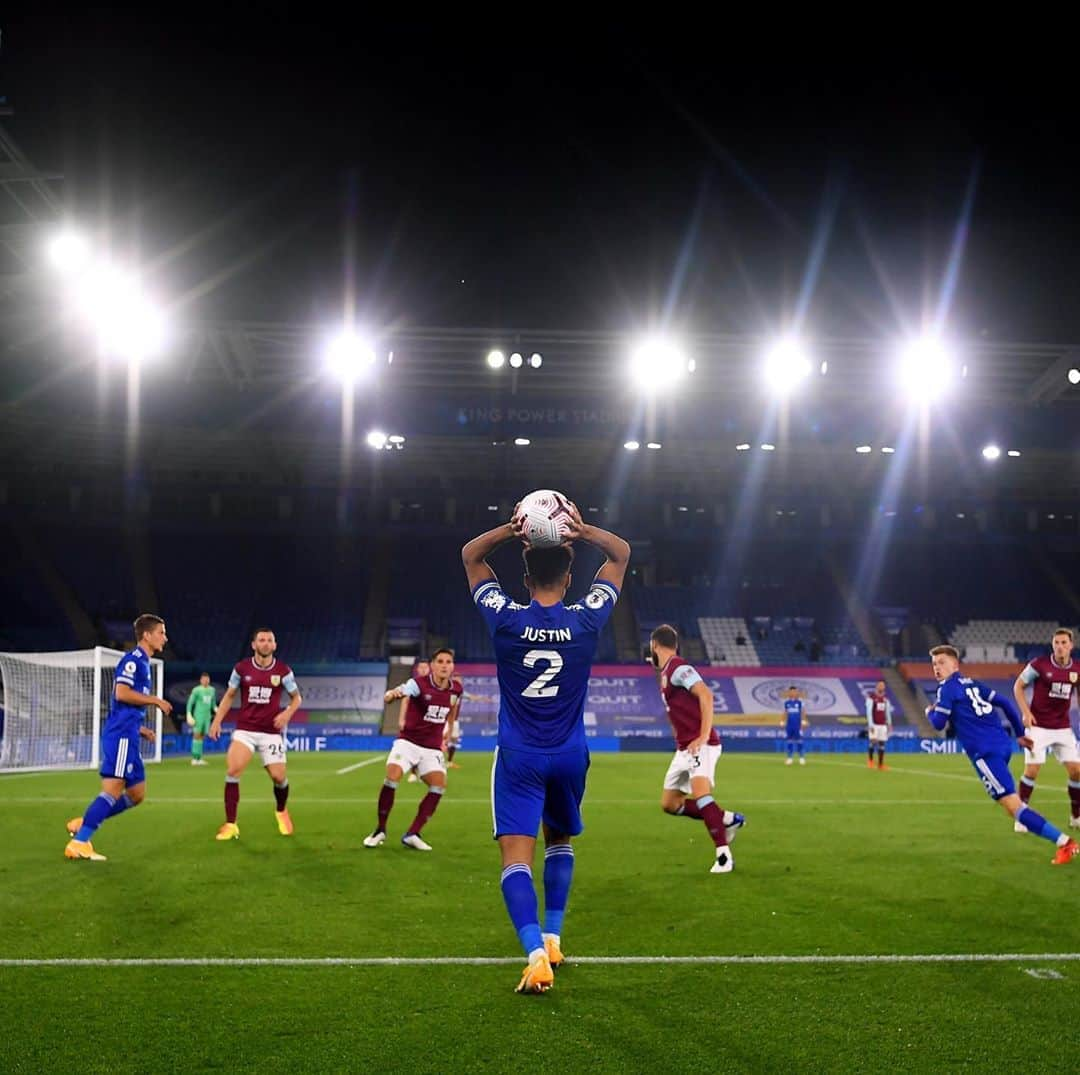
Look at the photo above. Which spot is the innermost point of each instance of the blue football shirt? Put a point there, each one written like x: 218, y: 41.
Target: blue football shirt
x: 970, y: 706
x: 133, y: 670
x: 793, y: 708
x: 544, y: 657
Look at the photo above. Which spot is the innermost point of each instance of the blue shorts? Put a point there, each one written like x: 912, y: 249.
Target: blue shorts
x: 794, y: 733
x: 993, y: 770
x: 120, y: 759
x: 528, y: 788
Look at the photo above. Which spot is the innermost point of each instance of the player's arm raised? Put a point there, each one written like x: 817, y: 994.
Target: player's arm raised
x: 616, y: 550
x: 704, y: 697
x: 475, y: 553
x: 219, y: 715
x: 127, y: 696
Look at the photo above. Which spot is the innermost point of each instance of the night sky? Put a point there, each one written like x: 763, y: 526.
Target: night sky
x: 551, y: 176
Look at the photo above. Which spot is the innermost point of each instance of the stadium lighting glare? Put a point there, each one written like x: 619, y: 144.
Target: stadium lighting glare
x: 522, y: 442
x: 926, y: 368
x: 691, y: 365
x: 742, y: 447
x: 631, y: 445
x: 682, y: 507
x: 768, y: 447
x: 376, y: 439
x: 1013, y: 453
x: 516, y: 361
x: 126, y: 321
x: 864, y: 449
x: 68, y: 252
x: 654, y: 445
x: 396, y: 438
x: 887, y: 450
x: 824, y: 367
x: 536, y: 360
x: 786, y: 365
x: 991, y: 452
x: 657, y: 364
x: 349, y: 356
x: 1074, y: 376
x: 496, y: 359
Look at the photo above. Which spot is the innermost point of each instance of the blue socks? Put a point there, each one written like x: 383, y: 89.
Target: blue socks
x: 103, y: 807
x: 558, y: 873
x: 1037, y: 824
x: 520, y: 897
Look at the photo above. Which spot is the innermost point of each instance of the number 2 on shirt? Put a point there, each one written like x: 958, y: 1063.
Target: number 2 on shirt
x: 539, y: 687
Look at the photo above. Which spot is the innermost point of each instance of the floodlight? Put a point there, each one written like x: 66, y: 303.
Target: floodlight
x: 349, y: 356
x: 376, y: 439
x: 536, y: 360
x: 1074, y: 376
x: 522, y: 442
x: 1013, y: 453
x: 68, y: 252
x: 126, y: 321
x: 396, y: 438
x: 991, y: 452
x: 496, y: 359
x: 657, y: 364
x: 887, y: 450
x: 864, y: 449
x: 631, y: 445
x: 926, y: 367
x: 786, y: 365
x: 654, y: 445
x: 742, y: 447
x: 516, y: 360
x: 768, y: 447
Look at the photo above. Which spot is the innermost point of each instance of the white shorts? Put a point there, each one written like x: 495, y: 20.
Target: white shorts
x: 879, y: 733
x: 407, y: 755
x: 270, y: 746
x: 1061, y: 742
x: 685, y: 765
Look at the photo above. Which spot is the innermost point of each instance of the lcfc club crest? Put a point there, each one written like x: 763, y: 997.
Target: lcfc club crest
x: 275, y: 681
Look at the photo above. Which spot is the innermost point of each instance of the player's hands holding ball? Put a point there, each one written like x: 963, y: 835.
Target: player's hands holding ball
x: 546, y: 518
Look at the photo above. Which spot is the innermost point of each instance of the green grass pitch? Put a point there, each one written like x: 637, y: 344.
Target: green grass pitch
x: 836, y: 860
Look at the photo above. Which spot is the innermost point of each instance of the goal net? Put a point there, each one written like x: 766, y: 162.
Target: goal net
x: 56, y: 704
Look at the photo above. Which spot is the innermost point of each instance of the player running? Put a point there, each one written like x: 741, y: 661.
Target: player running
x: 260, y: 727
x: 794, y: 723
x: 879, y: 712
x: 543, y: 654
x: 123, y: 779
x: 969, y: 706
x: 200, y: 712
x: 1052, y: 679
x: 427, y: 704
x: 690, y: 777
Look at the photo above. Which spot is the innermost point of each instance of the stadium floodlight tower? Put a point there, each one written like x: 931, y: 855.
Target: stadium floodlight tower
x: 658, y: 364
x: 128, y: 324
x: 786, y: 366
x: 68, y: 252
x: 350, y: 356
x: 926, y: 368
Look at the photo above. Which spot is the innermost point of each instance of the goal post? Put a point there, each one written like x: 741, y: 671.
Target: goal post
x: 56, y: 704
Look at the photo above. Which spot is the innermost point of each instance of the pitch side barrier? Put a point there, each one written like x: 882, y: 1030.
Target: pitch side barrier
x: 343, y: 708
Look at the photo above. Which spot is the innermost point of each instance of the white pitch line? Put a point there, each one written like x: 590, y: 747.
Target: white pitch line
x: 359, y: 765
x: 483, y: 961
x: 899, y: 769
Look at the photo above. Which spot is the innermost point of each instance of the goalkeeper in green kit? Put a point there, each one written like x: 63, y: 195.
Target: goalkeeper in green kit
x: 200, y: 712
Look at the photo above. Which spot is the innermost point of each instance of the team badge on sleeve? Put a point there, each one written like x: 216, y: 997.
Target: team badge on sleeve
x: 493, y: 600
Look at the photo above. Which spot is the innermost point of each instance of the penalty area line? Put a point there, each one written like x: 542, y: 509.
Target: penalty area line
x: 484, y: 961
x: 359, y: 765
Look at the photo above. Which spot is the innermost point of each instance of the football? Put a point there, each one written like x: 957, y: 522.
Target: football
x: 545, y: 516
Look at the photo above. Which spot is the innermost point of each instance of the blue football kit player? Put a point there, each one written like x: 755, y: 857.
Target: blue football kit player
x: 543, y: 654
x: 123, y: 780
x: 794, y: 719
x: 968, y: 706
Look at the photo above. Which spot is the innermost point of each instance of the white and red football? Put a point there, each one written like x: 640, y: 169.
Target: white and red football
x: 545, y: 516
